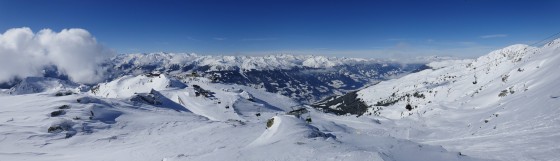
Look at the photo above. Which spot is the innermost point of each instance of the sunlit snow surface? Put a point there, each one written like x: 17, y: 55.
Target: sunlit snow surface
x: 161, y: 118
x: 503, y: 106
x: 109, y: 125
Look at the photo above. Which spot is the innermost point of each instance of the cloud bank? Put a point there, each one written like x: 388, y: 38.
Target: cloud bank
x: 74, y: 52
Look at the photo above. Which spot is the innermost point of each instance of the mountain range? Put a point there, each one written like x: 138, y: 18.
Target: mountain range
x: 165, y: 106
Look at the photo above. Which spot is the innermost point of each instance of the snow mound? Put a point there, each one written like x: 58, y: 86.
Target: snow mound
x: 246, y: 95
x: 288, y: 127
x: 41, y: 84
x: 128, y: 86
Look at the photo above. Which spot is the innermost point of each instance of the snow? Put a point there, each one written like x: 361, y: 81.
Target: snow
x: 113, y: 127
x: 458, y: 114
x: 41, y: 84
x: 287, y: 127
x: 337, y: 84
x: 219, y: 63
x: 319, y: 62
x: 127, y: 86
x: 464, y: 109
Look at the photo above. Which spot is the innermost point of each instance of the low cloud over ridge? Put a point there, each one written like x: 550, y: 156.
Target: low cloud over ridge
x: 74, y: 52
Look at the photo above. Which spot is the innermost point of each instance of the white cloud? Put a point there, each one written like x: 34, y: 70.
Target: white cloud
x: 75, y: 52
x: 493, y: 36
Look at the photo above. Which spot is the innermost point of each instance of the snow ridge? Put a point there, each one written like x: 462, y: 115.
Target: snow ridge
x: 127, y: 86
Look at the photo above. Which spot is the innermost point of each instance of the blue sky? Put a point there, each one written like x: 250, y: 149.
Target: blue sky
x: 374, y: 28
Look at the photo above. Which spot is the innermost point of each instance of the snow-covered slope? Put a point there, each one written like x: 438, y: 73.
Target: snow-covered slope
x: 210, y: 101
x: 502, y: 105
x: 450, y: 81
x: 288, y: 127
x: 154, y: 121
x: 127, y: 86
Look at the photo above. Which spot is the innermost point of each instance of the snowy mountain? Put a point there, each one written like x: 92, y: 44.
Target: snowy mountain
x: 305, y: 78
x: 501, y: 106
x: 44, y: 84
x: 157, y: 117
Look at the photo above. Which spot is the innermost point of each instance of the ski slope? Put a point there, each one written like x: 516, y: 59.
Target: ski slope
x: 502, y: 106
